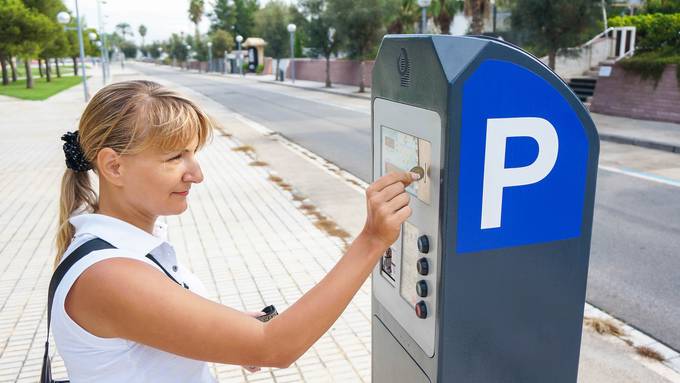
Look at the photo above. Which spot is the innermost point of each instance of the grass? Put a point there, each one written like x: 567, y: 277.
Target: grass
x: 41, y: 88
x: 66, y: 69
x: 649, y: 353
x: 604, y: 326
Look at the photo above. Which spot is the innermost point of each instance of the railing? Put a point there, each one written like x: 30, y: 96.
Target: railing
x: 612, y: 44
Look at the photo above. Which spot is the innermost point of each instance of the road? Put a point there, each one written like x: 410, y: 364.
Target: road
x: 635, y: 257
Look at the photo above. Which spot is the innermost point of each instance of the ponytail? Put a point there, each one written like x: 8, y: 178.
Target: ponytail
x: 77, y: 194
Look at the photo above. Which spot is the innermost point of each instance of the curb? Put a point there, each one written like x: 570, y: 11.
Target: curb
x: 640, y: 142
x: 367, y: 96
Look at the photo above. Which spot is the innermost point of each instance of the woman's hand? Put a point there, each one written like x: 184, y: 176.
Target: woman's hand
x: 387, y: 205
x: 253, y: 314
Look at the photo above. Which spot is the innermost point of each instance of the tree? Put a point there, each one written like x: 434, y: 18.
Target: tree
x: 13, y: 15
x: 56, y: 45
x: 128, y: 48
x: 553, y: 25
x: 222, y: 41
x: 662, y: 6
x: 142, y: 32
x: 24, y: 31
x: 401, y: 16
x: 196, y: 9
x: 443, y: 12
x: 223, y: 16
x: 478, y: 10
x: 176, y: 47
x: 271, y: 22
x: 322, y: 37
x: 359, y: 22
x: 245, y: 11
x: 124, y: 29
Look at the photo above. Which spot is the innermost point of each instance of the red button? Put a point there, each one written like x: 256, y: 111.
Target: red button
x: 421, y: 310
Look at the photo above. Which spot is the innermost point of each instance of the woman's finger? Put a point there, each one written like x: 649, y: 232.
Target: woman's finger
x: 398, y: 202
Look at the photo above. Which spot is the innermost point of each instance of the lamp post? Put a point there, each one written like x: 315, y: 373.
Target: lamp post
x: 160, y: 52
x: 423, y: 4
x: 63, y: 18
x: 291, y: 30
x: 209, y: 56
x: 188, y: 55
x: 239, y: 39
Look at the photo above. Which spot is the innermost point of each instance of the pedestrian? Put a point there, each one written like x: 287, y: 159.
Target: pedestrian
x: 128, y: 311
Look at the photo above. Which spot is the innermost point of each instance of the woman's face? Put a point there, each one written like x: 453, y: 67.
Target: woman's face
x: 158, y: 182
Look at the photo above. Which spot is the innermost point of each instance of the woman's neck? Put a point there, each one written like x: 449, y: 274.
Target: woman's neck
x: 125, y: 213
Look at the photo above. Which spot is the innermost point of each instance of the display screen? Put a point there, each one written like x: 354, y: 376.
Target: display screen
x: 401, y: 152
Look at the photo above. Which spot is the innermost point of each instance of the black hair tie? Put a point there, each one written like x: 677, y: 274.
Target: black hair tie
x: 75, y: 158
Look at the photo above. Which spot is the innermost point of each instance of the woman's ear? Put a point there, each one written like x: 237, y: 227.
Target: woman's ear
x: 109, y: 166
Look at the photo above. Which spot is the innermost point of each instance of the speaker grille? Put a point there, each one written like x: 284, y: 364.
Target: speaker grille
x: 404, y: 68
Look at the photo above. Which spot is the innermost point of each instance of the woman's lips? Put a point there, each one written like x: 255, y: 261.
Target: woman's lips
x: 184, y: 193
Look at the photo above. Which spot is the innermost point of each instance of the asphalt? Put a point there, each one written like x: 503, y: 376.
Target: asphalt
x: 636, y: 235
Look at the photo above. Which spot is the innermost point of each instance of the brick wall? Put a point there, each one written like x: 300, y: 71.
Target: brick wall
x: 345, y: 72
x: 625, y: 94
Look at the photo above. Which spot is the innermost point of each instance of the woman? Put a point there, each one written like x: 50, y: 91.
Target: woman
x: 131, y: 313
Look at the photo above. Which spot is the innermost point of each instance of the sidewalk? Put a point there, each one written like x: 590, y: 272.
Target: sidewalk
x: 256, y: 233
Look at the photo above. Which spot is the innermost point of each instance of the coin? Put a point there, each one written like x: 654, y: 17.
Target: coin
x: 419, y: 171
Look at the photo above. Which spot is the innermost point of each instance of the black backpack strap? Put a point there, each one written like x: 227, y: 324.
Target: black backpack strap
x: 83, y: 250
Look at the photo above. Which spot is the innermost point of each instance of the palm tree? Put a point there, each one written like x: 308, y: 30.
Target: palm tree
x: 142, y: 32
x: 478, y: 9
x: 404, y: 17
x: 443, y: 12
x: 124, y: 29
x: 196, y: 8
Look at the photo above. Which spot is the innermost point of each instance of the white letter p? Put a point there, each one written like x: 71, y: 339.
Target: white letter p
x: 497, y: 176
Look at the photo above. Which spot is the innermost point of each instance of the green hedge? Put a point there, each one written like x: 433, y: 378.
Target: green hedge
x: 651, y: 65
x: 655, y: 32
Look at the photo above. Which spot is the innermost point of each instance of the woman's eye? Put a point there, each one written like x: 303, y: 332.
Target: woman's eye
x: 177, y: 157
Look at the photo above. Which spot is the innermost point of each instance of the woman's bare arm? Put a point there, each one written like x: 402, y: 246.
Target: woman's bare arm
x: 129, y: 299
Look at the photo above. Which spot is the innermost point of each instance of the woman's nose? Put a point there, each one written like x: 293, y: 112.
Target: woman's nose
x: 194, y: 173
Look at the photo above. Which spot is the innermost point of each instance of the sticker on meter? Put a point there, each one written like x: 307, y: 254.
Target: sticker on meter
x: 523, y: 156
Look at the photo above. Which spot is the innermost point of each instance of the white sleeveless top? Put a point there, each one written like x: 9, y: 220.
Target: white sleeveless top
x: 89, y: 358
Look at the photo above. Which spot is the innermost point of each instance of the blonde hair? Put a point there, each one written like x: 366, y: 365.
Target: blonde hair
x: 128, y: 117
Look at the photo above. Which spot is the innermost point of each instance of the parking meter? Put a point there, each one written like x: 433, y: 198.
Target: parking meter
x: 487, y: 280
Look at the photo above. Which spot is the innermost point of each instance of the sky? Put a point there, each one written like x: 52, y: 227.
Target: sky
x: 161, y: 17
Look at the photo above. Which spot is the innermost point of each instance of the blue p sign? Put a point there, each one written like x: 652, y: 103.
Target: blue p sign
x: 523, y: 161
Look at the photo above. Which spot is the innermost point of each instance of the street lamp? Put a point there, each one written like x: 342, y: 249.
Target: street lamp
x: 160, y: 52
x: 423, y: 4
x: 63, y: 18
x: 291, y: 30
x: 239, y: 39
x: 209, y: 56
x: 188, y: 55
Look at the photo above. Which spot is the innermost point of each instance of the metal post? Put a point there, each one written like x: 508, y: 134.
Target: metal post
x: 292, y: 56
x: 495, y: 12
x: 82, y: 53
x: 238, y: 59
x: 423, y: 19
x: 210, y: 63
